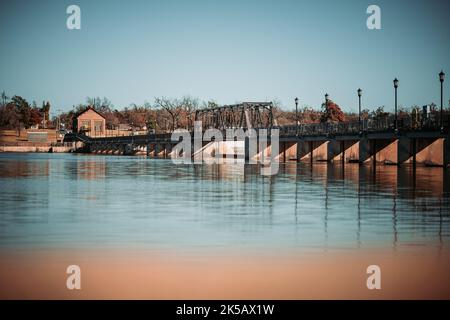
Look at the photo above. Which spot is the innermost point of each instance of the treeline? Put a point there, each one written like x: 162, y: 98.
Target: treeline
x: 166, y: 114
x: 17, y: 113
x: 163, y: 114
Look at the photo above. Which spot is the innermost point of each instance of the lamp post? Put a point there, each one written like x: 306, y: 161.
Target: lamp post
x: 441, y: 79
x: 395, y: 119
x: 359, y: 109
x: 296, y: 116
x: 326, y: 111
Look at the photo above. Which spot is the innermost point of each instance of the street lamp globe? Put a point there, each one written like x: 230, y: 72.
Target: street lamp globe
x: 395, y: 83
x: 359, y: 92
x: 441, y: 76
x: 296, y: 100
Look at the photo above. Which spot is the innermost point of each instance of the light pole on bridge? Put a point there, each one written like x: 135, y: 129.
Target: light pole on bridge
x: 296, y: 116
x: 359, y: 110
x: 326, y: 110
x: 395, y: 119
x: 441, y: 79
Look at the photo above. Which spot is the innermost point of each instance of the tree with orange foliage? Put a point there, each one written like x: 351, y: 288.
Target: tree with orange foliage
x: 331, y: 112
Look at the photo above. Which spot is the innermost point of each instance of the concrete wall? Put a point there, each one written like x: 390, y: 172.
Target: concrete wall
x: 15, y: 137
x: 59, y: 149
x: 304, y: 150
x: 433, y: 151
x: 351, y: 153
x: 287, y: 151
x: 387, y: 151
x: 290, y: 151
x: 326, y: 150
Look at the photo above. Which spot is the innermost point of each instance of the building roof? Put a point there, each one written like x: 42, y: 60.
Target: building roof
x: 90, y: 108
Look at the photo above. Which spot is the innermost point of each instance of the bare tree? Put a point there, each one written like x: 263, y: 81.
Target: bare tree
x: 9, y: 116
x: 277, y: 112
x: 189, y: 105
x: 151, y: 118
x: 4, y: 98
x: 172, y: 108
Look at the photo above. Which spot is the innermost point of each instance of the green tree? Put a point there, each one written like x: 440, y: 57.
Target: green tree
x: 9, y: 116
x: 24, y: 110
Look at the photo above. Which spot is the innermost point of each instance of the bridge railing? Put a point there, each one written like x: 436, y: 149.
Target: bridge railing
x: 135, y: 138
x: 380, y: 124
x: 319, y: 129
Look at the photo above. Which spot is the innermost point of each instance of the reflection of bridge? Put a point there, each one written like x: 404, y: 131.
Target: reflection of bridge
x: 368, y: 141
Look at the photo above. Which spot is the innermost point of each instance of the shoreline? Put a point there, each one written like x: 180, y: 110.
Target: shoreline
x: 35, y: 149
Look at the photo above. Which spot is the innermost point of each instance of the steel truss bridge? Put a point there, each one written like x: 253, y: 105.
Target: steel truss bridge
x: 245, y: 115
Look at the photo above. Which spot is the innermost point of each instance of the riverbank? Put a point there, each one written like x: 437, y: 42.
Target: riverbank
x: 33, y: 140
x: 36, y: 148
x: 32, y: 149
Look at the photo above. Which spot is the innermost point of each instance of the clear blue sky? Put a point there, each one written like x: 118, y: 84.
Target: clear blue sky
x: 228, y: 51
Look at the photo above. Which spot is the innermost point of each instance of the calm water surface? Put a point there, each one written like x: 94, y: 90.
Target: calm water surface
x: 67, y: 200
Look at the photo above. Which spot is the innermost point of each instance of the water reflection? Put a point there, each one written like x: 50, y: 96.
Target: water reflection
x: 78, y: 200
x: 86, y: 170
x: 28, y: 168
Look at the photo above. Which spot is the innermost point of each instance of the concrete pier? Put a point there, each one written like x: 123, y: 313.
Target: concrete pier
x: 385, y: 150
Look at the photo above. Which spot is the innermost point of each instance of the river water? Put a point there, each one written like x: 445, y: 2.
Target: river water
x: 94, y: 201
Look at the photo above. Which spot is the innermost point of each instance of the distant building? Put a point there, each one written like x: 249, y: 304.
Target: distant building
x: 89, y: 122
x: 124, y: 127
